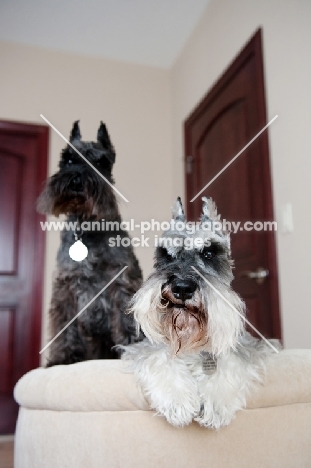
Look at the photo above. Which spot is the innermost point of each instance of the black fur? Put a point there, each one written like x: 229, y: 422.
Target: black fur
x: 78, y: 191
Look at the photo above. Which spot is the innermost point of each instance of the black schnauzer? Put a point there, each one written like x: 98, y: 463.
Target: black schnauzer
x: 78, y: 191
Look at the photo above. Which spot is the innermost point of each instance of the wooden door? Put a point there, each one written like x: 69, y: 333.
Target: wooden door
x: 23, y: 167
x: 229, y: 116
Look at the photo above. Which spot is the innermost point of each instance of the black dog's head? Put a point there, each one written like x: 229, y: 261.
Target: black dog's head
x: 80, y: 186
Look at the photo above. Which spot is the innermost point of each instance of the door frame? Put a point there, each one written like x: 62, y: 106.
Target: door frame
x: 41, y: 133
x: 252, y: 48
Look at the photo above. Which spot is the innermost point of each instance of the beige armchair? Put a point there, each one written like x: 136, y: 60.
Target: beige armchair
x: 92, y: 414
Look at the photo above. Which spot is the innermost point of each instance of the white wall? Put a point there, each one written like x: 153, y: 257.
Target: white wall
x: 223, y: 30
x: 133, y: 100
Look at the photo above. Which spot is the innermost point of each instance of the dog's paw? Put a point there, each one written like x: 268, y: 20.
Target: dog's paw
x: 215, y: 418
x: 179, y: 406
x: 178, y: 416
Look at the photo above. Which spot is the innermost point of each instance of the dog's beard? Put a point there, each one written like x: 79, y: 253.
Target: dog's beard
x: 204, y: 322
x: 57, y: 199
x: 77, y: 204
x: 165, y: 319
x: 225, y: 322
x: 96, y: 203
x: 184, y: 323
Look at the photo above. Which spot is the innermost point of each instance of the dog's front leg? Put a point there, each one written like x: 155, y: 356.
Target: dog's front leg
x: 224, y: 392
x: 68, y: 347
x: 166, y: 382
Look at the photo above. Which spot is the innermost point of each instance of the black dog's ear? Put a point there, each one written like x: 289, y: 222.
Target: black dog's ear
x: 75, y: 132
x: 104, y: 139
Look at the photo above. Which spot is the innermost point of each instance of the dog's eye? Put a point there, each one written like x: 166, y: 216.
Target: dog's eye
x: 208, y: 254
x: 69, y: 161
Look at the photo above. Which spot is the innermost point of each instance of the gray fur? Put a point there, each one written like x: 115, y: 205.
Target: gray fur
x: 185, y: 321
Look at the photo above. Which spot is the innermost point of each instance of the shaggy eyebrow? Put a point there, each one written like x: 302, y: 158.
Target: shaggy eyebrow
x: 215, y: 246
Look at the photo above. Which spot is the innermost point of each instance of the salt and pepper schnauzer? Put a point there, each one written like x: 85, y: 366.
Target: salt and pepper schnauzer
x: 78, y: 191
x: 198, y: 362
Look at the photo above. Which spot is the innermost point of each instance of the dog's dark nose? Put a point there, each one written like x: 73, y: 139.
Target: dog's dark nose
x: 183, y: 289
x: 75, y: 184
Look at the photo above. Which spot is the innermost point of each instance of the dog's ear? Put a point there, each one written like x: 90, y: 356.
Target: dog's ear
x: 104, y: 139
x: 209, y: 213
x: 178, y: 211
x: 75, y: 132
x: 209, y: 210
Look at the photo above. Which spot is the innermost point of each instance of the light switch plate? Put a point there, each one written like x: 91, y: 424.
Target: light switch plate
x: 287, y: 218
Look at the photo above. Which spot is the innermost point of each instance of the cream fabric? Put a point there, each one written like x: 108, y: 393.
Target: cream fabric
x: 92, y: 414
x: 277, y: 437
x: 86, y: 386
x: 108, y: 385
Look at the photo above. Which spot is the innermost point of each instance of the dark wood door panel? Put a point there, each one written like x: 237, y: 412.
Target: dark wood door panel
x: 7, y: 349
x: 229, y: 116
x: 10, y: 189
x: 23, y: 159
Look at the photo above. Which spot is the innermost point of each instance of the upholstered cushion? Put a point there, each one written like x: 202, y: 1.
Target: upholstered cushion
x: 103, y: 385
x: 109, y: 386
